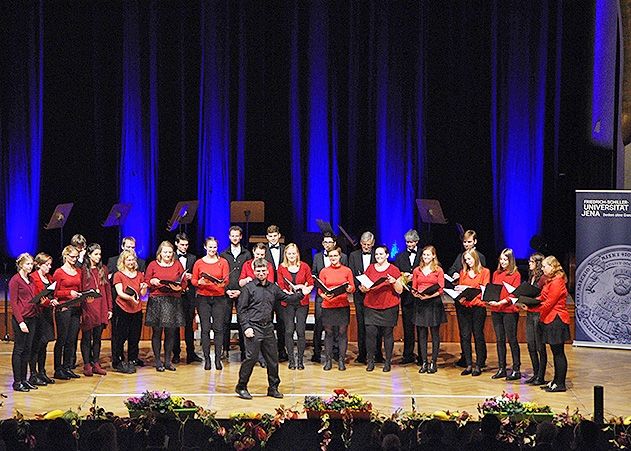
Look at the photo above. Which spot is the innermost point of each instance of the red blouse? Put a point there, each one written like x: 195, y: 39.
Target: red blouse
x: 475, y: 282
x: 173, y: 272
x: 514, y: 279
x: 94, y: 310
x: 422, y: 282
x: 40, y: 285
x: 554, y: 299
x: 126, y: 281
x: 248, y: 271
x: 303, y: 276
x: 65, y: 284
x: 333, y: 276
x: 218, y: 269
x: 383, y: 295
x: 21, y: 293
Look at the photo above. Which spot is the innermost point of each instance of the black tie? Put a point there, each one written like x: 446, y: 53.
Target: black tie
x: 274, y: 246
x: 366, y: 253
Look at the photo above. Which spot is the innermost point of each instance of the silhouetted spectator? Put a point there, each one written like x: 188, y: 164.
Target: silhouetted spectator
x: 59, y: 436
x: 546, y: 436
x: 587, y: 437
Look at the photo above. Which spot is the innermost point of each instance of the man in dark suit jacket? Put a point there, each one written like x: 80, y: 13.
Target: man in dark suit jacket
x: 406, y: 261
x: 188, y: 302
x: 274, y: 254
x: 321, y: 261
x: 358, y: 261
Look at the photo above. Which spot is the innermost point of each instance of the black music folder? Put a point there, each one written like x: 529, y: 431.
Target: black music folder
x: 330, y: 291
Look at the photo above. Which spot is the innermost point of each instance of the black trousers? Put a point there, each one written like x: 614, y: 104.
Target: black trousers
x: 37, y: 362
x: 228, y: 325
x: 22, y: 344
x: 318, y: 328
x: 373, y: 342
x: 422, y: 333
x: 91, y: 344
x: 560, y: 364
x: 280, y: 327
x: 358, y: 300
x: 188, y: 306
x: 212, y: 313
x: 295, y: 319
x: 263, y: 342
x: 65, y: 351
x: 505, y: 326
x: 126, y: 327
x: 471, y: 322
x: 536, y: 345
x: 407, y: 316
x: 156, y: 344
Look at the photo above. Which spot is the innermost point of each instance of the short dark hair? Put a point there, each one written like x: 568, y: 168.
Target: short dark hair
x: 235, y: 227
x: 328, y: 234
x: 181, y: 237
x: 259, y: 263
x: 273, y: 229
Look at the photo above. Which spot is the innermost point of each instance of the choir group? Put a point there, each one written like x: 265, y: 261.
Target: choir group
x: 84, y: 294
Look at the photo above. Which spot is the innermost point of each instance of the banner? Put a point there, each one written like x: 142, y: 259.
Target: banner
x: 603, y: 276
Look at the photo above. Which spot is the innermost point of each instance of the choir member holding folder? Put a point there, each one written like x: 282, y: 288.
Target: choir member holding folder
x: 24, y: 320
x: 335, y: 306
x: 165, y: 278
x: 534, y: 327
x: 45, y: 326
x: 505, y: 316
x: 472, y: 316
x: 381, y: 306
x: 67, y: 314
x: 95, y: 311
x: 294, y: 275
x: 428, y: 281
x: 210, y: 276
x: 127, y: 323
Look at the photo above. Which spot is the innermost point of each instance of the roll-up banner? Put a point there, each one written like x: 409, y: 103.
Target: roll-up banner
x: 603, y: 275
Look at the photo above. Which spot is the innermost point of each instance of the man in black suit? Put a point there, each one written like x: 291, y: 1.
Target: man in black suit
x: 274, y: 254
x: 236, y: 255
x: 358, y: 261
x: 321, y: 261
x: 406, y: 261
x: 188, y: 302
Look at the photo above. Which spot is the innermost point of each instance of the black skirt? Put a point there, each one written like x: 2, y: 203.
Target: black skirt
x: 339, y: 316
x: 429, y: 312
x: 45, y: 326
x: 557, y: 332
x: 164, y: 311
x: 384, y: 318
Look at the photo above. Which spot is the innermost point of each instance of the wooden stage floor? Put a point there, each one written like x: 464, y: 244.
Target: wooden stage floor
x: 387, y: 391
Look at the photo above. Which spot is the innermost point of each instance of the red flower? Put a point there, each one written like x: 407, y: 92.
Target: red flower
x: 260, y: 433
x: 340, y: 392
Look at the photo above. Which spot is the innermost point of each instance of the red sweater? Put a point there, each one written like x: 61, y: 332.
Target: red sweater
x: 422, y: 282
x: 514, y: 280
x: 383, y: 295
x: 332, y: 277
x: 219, y: 269
x: 173, y: 272
x: 128, y: 306
x: 479, y: 279
x: 303, y: 276
x: 65, y: 284
x: 20, y: 295
x: 248, y: 271
x: 94, y: 311
x: 554, y: 299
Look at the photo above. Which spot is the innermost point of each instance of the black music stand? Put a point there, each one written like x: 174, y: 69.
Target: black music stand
x: 58, y: 220
x: 431, y: 213
x: 116, y: 217
x: 183, y: 214
x: 247, y: 211
x: 348, y: 237
x: 325, y: 226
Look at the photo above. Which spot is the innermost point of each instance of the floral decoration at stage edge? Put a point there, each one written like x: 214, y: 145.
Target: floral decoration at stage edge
x: 340, y: 403
x: 509, y: 405
x: 159, y: 402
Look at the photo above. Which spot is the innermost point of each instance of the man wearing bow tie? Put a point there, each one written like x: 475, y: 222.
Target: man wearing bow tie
x: 406, y: 261
x: 274, y: 254
x: 188, y: 302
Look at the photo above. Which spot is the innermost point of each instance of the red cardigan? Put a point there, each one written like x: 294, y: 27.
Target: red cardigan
x: 20, y: 295
x: 94, y: 312
x: 480, y: 279
x: 332, y: 277
x: 514, y: 280
x: 554, y: 299
x: 219, y: 269
x: 303, y: 276
x: 383, y: 295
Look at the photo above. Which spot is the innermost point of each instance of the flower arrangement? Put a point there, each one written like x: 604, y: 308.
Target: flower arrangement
x: 159, y: 402
x: 250, y: 430
x: 509, y: 404
x: 341, y: 400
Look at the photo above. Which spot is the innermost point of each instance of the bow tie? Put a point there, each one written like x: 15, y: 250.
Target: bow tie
x: 274, y: 246
x: 181, y: 255
x: 366, y: 253
x: 412, y: 252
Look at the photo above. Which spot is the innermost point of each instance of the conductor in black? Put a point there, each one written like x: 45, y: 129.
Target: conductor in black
x: 255, y: 310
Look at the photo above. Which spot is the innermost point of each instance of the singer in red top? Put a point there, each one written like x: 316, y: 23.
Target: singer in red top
x: 534, y: 327
x: 335, y: 309
x: 211, y: 299
x: 68, y: 319
x: 505, y: 316
x: 298, y: 273
x: 96, y: 312
x: 429, y: 311
x: 164, y: 309
x: 381, y: 307
x: 473, y: 315
x: 24, y: 321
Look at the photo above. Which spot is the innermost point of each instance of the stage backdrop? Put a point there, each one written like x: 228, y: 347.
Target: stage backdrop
x: 603, y: 277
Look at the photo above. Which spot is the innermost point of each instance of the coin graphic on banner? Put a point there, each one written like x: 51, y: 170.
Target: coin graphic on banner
x: 603, y: 293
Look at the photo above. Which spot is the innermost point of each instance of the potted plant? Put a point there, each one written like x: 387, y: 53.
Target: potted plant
x: 340, y: 404
x: 509, y: 405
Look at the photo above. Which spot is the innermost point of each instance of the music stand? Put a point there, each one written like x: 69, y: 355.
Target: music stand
x: 247, y: 211
x: 324, y: 226
x: 349, y: 238
x: 116, y: 217
x: 183, y: 214
x: 58, y: 220
x: 431, y: 213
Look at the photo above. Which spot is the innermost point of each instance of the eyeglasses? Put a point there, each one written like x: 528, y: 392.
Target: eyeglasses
x: 328, y: 242
x: 73, y: 256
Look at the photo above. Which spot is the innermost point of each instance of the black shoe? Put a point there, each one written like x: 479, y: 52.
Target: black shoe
x: 36, y: 380
x: 19, y: 386
x: 300, y: 364
x: 387, y: 366
x: 432, y: 368
x: 282, y: 357
x: 192, y: 358
x: 137, y: 362
x: 292, y: 364
x: 169, y: 367
x: 531, y: 379
x: 462, y: 363
x: 175, y: 359
x: 243, y: 393
x: 43, y: 376
x: 514, y: 376
x: 538, y: 381
x: 160, y: 369
x: 61, y: 375
x: 28, y: 385
x: 370, y: 366
x: 121, y: 368
x: 476, y: 371
x: 129, y: 367
x: 501, y: 373
x: 316, y: 358
x: 466, y: 371
x: 218, y: 364
x: 341, y: 365
x: 71, y: 373
x: 554, y: 388
x: 406, y: 360
x: 546, y: 385
x: 328, y: 364
x: 207, y: 363
x: 423, y: 368
x: 274, y: 393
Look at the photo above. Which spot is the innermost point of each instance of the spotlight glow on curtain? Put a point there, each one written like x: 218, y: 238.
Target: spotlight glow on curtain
x: 24, y: 128
x: 213, y: 185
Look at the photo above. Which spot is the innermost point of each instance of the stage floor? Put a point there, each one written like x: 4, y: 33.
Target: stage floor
x: 387, y: 391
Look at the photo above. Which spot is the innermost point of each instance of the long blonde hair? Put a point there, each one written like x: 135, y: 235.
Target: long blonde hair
x: 557, y: 269
x: 512, y: 265
x: 285, y: 262
x: 434, y: 264
x: 477, y: 266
